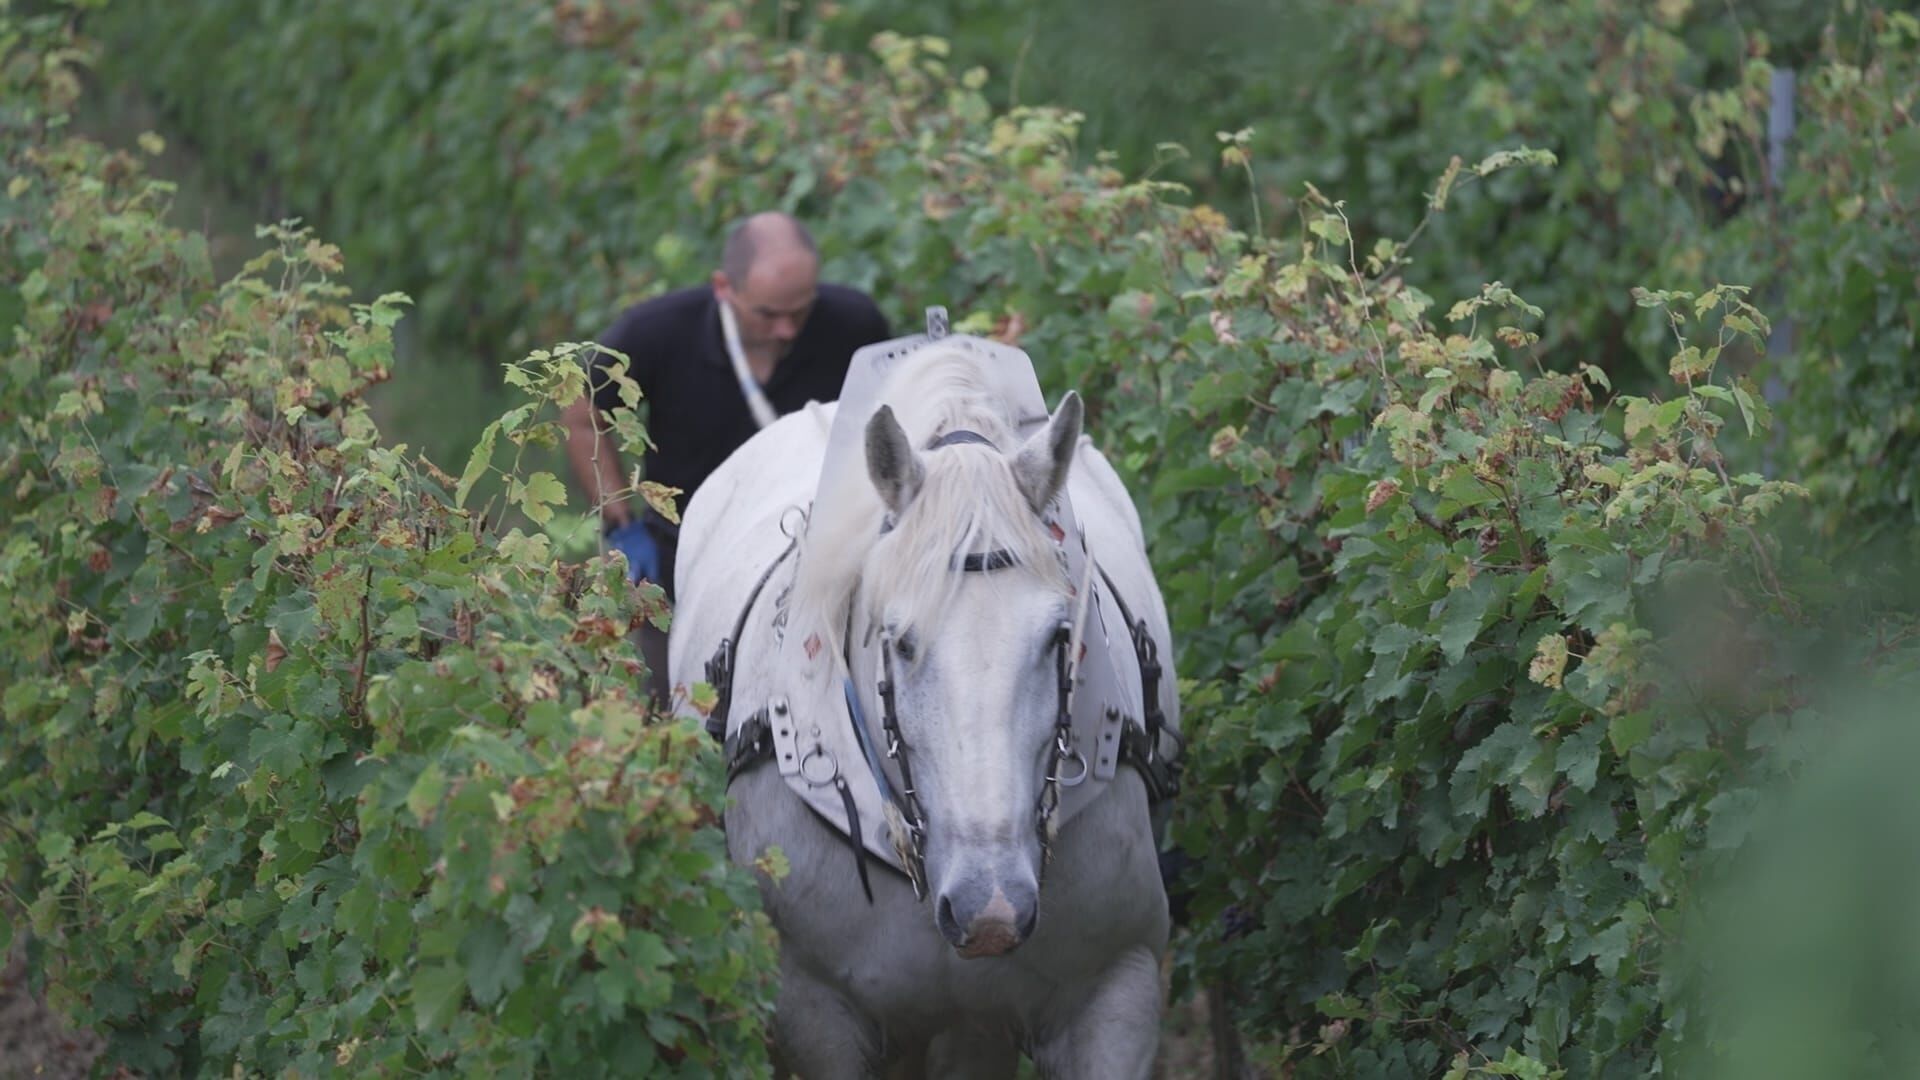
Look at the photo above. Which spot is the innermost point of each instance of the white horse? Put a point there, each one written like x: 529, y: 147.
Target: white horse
x: 939, y: 576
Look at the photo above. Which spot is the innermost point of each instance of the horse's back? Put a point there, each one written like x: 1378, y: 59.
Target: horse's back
x: 1103, y: 509
x: 735, y: 526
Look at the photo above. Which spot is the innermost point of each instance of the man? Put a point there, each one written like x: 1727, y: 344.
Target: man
x: 714, y: 364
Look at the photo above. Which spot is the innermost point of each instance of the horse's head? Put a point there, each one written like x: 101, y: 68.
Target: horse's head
x: 964, y: 601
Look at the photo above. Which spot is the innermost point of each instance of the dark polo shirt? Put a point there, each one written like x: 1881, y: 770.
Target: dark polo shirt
x: 696, y: 414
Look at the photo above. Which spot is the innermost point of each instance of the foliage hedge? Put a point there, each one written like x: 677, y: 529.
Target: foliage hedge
x: 1657, y: 113
x: 1459, y: 759
x: 1842, y: 242
x: 521, y: 167
x: 1647, y: 106
x: 303, y: 767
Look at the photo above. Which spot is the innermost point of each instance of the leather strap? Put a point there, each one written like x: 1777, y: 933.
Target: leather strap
x: 853, y: 835
x: 720, y: 666
x: 1141, y: 745
x: 960, y: 435
x: 757, y: 403
x: 981, y: 562
x: 750, y: 744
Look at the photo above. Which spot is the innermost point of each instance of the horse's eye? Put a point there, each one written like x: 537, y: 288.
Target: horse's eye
x: 905, y: 646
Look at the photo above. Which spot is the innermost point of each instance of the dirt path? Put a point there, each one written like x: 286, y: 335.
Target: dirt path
x: 34, y: 1042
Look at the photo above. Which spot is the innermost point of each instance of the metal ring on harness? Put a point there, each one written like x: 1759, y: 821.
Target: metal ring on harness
x: 1075, y: 780
x: 818, y: 752
x: 792, y: 532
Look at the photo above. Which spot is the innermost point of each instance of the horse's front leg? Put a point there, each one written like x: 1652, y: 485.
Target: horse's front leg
x: 817, y: 1033
x: 972, y: 1053
x: 1115, y: 1030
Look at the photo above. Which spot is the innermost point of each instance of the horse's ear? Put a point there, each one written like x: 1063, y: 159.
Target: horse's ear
x: 1040, y: 468
x: 895, y: 468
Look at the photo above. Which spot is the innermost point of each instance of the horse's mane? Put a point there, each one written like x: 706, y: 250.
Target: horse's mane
x: 969, y: 502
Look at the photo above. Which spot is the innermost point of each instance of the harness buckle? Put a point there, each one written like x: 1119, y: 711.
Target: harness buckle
x: 719, y: 672
x: 1076, y: 779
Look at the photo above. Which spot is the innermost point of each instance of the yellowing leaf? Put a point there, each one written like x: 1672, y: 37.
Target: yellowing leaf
x: 660, y: 497
x: 1690, y: 363
x: 1549, y: 661
x: 535, y: 550
x: 1643, y: 415
x: 1639, y: 416
x: 703, y: 698
x: 538, y: 495
x: 323, y: 255
x: 1502, y: 384
x: 1331, y: 228
x: 773, y: 863
x: 1381, y: 491
x: 1506, y: 159
x: 183, y: 958
x: 1291, y: 282
x: 1438, y: 200
x: 1603, y: 474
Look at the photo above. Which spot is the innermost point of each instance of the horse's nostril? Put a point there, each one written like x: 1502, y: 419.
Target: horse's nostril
x: 950, y: 927
x: 980, y: 918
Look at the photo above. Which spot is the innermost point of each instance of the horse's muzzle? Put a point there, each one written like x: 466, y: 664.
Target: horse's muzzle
x: 979, y: 921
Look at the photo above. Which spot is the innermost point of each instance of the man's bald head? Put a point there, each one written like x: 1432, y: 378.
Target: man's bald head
x: 769, y: 275
x: 765, y: 234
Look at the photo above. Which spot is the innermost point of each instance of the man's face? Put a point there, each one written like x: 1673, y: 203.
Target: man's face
x: 773, y: 303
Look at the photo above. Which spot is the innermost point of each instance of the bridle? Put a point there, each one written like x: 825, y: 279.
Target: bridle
x: 753, y: 739
x: 1060, y: 749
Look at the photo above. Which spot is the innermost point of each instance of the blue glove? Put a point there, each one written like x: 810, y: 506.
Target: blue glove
x: 636, y: 542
